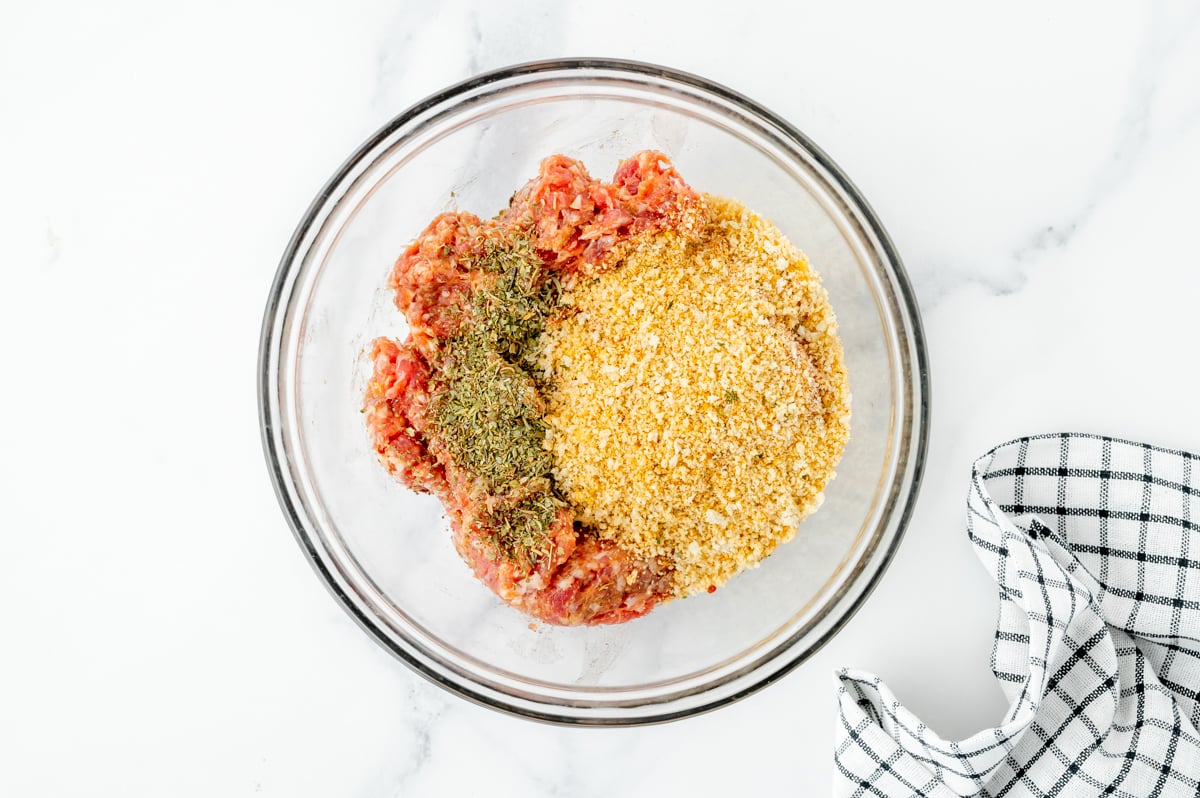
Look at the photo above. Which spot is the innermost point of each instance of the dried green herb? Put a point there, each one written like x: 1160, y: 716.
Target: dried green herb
x: 519, y: 529
x: 510, y: 310
x: 486, y: 405
x: 487, y: 415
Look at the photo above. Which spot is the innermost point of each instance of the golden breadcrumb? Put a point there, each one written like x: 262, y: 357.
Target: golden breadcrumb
x: 698, y: 402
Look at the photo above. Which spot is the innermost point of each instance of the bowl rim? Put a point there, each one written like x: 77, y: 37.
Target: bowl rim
x: 276, y: 457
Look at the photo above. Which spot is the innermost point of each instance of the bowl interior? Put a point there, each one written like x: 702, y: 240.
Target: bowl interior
x: 391, y: 548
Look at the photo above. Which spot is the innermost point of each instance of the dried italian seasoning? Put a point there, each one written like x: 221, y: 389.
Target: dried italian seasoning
x: 486, y: 405
x: 519, y: 529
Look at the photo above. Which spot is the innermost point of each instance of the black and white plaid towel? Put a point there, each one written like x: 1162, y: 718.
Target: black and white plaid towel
x: 1095, y: 545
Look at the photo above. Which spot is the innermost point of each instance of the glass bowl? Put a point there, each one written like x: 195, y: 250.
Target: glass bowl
x: 385, y: 553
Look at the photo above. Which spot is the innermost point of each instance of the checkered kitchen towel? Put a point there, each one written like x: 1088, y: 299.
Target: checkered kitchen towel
x: 1095, y: 545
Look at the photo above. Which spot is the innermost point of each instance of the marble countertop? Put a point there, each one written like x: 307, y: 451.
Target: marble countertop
x: 1036, y: 166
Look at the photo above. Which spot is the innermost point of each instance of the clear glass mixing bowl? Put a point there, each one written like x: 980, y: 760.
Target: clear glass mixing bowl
x: 385, y: 553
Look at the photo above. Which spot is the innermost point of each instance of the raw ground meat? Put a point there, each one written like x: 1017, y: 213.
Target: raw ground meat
x: 577, y: 225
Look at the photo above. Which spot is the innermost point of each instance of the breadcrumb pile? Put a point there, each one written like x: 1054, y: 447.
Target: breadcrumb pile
x: 698, y: 401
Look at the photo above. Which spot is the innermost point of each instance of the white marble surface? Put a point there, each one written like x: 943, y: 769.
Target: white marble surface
x: 162, y: 634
